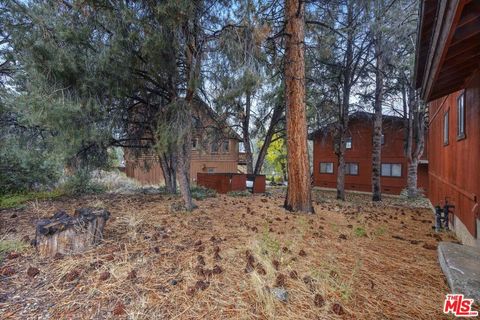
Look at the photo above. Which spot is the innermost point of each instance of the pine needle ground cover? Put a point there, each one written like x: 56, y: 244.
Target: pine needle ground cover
x: 228, y: 259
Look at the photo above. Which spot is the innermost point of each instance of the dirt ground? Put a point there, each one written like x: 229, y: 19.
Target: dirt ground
x: 351, y: 260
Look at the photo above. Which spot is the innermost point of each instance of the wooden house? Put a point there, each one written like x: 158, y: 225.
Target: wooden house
x: 215, y: 149
x: 358, y: 156
x: 448, y: 78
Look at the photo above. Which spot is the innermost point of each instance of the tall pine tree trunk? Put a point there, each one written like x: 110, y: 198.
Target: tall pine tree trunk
x: 192, y: 74
x: 341, y: 169
x: 377, y: 123
x: 412, y: 188
x: 345, y: 105
x: 246, y: 132
x: 183, y: 167
x: 340, y: 151
x: 299, y: 186
x: 167, y: 164
x: 416, y: 132
x: 277, y: 114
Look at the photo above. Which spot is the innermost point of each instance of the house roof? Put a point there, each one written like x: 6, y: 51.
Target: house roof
x: 358, y: 115
x: 215, y: 117
x: 448, y: 46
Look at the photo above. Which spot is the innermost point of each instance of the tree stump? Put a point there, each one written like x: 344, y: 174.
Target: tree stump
x: 67, y: 234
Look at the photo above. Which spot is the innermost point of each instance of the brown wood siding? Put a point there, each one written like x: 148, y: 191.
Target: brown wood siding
x: 453, y: 168
x: 146, y: 169
x: 223, y: 183
x: 361, y: 132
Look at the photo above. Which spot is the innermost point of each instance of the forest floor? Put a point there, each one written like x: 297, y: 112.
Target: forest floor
x: 351, y: 260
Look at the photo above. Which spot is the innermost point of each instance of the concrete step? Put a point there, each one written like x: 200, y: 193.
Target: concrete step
x: 461, y: 266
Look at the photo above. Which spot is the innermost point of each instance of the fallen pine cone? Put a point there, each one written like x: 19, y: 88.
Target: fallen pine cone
x: 119, y: 309
x: 13, y: 255
x: 7, y: 271
x: 32, y: 272
x: 217, y: 269
x: 104, y: 275
x: 338, y: 309
x: 72, y: 275
x: 318, y: 300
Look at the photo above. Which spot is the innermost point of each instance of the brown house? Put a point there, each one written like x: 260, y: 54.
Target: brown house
x: 448, y: 76
x: 215, y: 149
x: 358, y: 156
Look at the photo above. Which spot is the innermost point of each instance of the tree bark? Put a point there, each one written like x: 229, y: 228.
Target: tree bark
x: 67, y: 234
x: 344, y: 106
x: 299, y: 185
x: 192, y: 74
x: 246, y: 132
x: 183, y: 169
x: 415, y: 135
x: 276, y: 116
x: 168, y: 163
x: 377, y: 122
x: 340, y: 151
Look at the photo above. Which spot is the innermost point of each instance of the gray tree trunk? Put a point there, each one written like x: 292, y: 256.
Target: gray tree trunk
x: 168, y: 163
x: 345, y: 107
x: 377, y: 123
x: 246, y: 132
x: 277, y: 114
x: 183, y: 171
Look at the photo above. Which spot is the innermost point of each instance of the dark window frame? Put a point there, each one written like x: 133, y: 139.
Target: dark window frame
x: 326, y: 172
x: 461, y: 116
x: 215, y: 144
x: 226, y: 143
x: 391, y: 164
x: 347, y: 171
x: 446, y: 128
x: 349, y: 139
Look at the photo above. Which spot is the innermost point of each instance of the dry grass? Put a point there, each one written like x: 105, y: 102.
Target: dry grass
x: 355, y: 254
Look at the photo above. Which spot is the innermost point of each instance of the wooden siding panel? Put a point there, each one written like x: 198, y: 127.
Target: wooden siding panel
x: 453, y: 169
x: 361, y: 153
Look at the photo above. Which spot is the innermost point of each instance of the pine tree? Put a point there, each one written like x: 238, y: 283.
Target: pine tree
x: 299, y: 186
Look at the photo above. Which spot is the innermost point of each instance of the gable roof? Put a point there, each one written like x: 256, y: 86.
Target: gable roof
x: 356, y: 116
x: 448, y: 46
x: 221, y: 123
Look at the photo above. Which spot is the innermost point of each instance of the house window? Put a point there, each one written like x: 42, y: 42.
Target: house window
x: 445, y: 128
x: 194, y: 144
x: 326, y: 167
x: 348, y: 143
x: 391, y: 169
x: 210, y: 170
x: 225, y: 146
x: 383, y: 139
x: 351, y: 169
x: 461, y: 116
x: 215, y: 147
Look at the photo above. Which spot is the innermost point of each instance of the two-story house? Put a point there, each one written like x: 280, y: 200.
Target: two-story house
x: 215, y: 149
x: 358, y: 156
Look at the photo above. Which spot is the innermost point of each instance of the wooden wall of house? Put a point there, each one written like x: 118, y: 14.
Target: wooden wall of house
x: 361, y: 153
x: 454, y: 168
x: 146, y: 169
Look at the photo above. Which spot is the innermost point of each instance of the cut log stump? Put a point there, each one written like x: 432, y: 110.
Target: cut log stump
x: 67, y: 234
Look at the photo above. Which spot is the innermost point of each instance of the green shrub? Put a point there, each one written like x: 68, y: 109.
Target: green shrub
x: 81, y: 183
x: 360, y: 232
x: 11, y: 245
x: 24, y: 170
x: 200, y: 193
x: 239, y: 194
x: 15, y: 200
